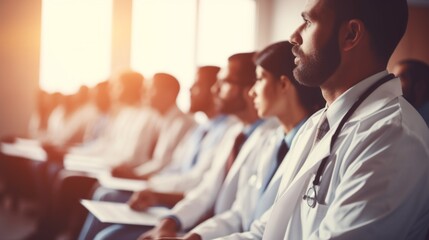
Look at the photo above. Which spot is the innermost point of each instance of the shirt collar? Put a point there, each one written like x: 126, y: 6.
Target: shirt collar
x: 248, y: 130
x: 172, y: 112
x: 219, y: 119
x: 343, y: 103
x: 288, y: 138
x: 212, y: 123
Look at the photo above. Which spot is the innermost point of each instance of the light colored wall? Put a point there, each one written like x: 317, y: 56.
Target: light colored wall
x: 20, y: 47
x: 121, y: 35
x: 416, y: 39
x: 19, y: 63
x: 264, y: 13
x: 20, y: 28
x: 286, y: 17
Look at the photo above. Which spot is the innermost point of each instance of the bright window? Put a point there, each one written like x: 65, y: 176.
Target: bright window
x: 225, y: 27
x: 176, y: 36
x: 172, y: 36
x: 163, y: 39
x: 75, y: 44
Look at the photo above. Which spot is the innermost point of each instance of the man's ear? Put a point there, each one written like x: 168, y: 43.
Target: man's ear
x: 351, y: 34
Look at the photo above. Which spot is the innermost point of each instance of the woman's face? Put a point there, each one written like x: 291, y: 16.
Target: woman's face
x: 265, y: 93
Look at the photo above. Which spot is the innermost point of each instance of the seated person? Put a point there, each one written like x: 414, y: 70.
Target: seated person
x: 275, y: 93
x: 162, y: 97
x: 216, y: 192
x: 414, y: 75
x: 191, y: 158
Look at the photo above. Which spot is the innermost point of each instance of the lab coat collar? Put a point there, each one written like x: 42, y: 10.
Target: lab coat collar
x: 295, y: 180
x: 343, y: 103
x: 338, y: 109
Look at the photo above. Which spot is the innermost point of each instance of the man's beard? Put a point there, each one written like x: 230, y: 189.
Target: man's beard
x: 315, y: 69
x: 230, y: 106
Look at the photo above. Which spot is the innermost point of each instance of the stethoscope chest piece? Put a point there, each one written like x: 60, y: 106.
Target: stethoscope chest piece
x: 311, y: 197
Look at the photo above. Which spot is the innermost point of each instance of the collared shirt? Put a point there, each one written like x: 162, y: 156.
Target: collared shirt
x: 367, y: 190
x: 206, y: 158
x: 186, y: 154
x: 120, y: 141
x: 291, y: 134
x: 174, y: 126
x: 250, y: 203
x: 215, y: 191
x: 248, y: 130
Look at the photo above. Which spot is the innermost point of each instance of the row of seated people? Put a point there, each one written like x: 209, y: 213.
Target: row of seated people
x: 65, y: 120
x: 241, y: 182
x: 230, y: 198
x: 262, y: 177
x: 131, y: 132
x: 60, y: 122
x: 249, y: 120
x: 171, y: 185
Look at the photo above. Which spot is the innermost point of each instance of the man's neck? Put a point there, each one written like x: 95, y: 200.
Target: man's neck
x: 248, y: 117
x: 345, y: 78
x: 166, y: 110
x: 211, y: 113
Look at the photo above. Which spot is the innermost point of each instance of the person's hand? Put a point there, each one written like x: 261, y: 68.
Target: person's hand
x: 171, y: 238
x: 123, y: 170
x: 192, y: 236
x: 166, y: 229
x: 141, y: 200
x: 145, y: 177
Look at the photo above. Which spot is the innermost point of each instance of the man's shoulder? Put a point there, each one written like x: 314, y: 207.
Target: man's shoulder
x: 397, y: 115
x: 391, y: 129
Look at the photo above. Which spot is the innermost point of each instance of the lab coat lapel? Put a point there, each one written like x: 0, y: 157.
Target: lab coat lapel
x: 271, y: 154
x: 242, y: 156
x: 295, y: 179
x: 320, y: 151
x: 296, y: 155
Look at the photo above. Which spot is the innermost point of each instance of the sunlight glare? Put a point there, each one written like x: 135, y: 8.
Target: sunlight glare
x: 163, y: 40
x: 75, y: 44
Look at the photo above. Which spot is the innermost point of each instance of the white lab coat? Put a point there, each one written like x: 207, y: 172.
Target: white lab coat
x: 249, y: 203
x: 215, y: 190
x: 121, y: 140
x: 375, y: 184
x: 70, y: 129
x: 174, y: 126
x: 184, y: 182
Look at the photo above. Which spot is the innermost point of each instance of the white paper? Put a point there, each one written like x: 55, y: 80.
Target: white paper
x: 121, y: 213
x: 28, y: 142
x: 29, y: 151
x: 83, y: 163
x: 107, y: 181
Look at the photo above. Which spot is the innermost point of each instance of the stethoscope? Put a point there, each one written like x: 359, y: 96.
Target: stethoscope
x: 311, y: 195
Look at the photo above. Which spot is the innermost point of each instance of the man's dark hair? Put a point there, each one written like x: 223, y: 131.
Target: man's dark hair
x: 278, y: 60
x: 132, y: 83
x: 132, y: 79
x: 415, y: 69
x: 385, y: 20
x: 247, y: 69
x: 167, y: 82
x: 209, y: 74
x: 416, y: 73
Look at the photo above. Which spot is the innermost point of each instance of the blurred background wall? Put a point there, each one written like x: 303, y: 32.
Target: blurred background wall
x: 20, y: 34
